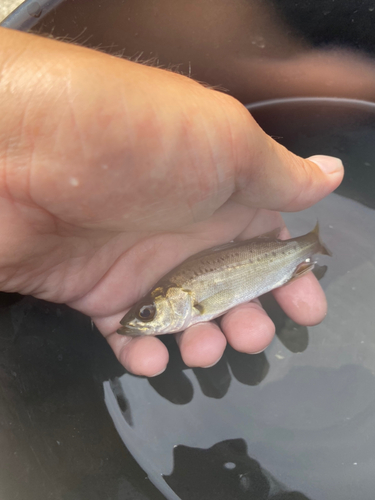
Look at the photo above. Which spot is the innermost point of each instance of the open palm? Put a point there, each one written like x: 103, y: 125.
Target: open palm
x: 110, y: 181
x: 102, y: 273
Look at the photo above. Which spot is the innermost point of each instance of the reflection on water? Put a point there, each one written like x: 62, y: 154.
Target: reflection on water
x: 224, y: 471
x: 248, y: 369
x: 255, y: 50
x: 294, y: 337
x: 214, y: 382
x: 309, y: 423
x: 122, y: 402
x: 173, y: 384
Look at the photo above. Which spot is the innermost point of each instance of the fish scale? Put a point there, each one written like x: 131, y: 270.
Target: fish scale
x: 214, y: 281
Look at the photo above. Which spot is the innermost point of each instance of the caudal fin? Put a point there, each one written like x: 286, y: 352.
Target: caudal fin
x: 323, y: 249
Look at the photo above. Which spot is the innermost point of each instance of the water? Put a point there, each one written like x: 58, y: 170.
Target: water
x: 296, y: 421
x: 299, y: 417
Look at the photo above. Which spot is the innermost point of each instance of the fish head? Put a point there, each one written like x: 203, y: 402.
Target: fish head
x: 160, y: 312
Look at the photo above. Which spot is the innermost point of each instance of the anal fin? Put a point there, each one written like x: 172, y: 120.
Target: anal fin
x: 301, y: 270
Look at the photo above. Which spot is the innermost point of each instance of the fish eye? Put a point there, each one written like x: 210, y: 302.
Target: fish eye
x: 147, y: 312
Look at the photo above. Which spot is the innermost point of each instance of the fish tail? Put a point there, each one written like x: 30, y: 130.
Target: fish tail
x: 322, y: 248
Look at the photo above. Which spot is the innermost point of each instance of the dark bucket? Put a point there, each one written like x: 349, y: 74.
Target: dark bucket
x: 295, y: 422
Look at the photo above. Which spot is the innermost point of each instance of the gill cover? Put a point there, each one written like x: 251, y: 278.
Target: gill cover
x: 164, y: 310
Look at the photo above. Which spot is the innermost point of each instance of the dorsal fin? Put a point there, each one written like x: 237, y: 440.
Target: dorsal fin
x: 270, y: 235
x: 208, y: 251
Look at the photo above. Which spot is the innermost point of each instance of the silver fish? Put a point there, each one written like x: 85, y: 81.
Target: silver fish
x: 214, y: 281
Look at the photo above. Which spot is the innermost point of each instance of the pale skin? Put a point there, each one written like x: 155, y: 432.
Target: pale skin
x: 112, y: 173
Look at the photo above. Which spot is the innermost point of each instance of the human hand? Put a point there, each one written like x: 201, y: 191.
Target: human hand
x: 112, y: 173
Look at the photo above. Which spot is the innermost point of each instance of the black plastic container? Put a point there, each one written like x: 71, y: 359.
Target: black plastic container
x: 295, y: 422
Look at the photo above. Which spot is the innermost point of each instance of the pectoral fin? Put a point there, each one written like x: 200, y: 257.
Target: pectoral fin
x: 214, y: 304
x: 302, y: 269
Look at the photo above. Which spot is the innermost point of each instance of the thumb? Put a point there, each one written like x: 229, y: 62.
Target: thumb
x: 276, y: 179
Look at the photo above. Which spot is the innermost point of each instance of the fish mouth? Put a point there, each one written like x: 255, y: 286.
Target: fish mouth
x: 130, y: 331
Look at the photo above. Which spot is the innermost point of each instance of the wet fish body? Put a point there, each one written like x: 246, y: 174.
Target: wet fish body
x: 214, y: 281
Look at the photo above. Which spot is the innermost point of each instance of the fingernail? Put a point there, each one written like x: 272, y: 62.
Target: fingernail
x: 213, y: 364
x: 159, y: 373
x: 328, y: 164
x: 258, y: 352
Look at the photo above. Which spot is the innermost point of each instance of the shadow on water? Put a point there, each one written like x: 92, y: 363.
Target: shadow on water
x: 223, y: 471
x: 214, y: 382
x: 293, y: 336
x: 249, y: 369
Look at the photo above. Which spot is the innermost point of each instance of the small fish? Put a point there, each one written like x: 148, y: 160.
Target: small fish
x: 214, y: 281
